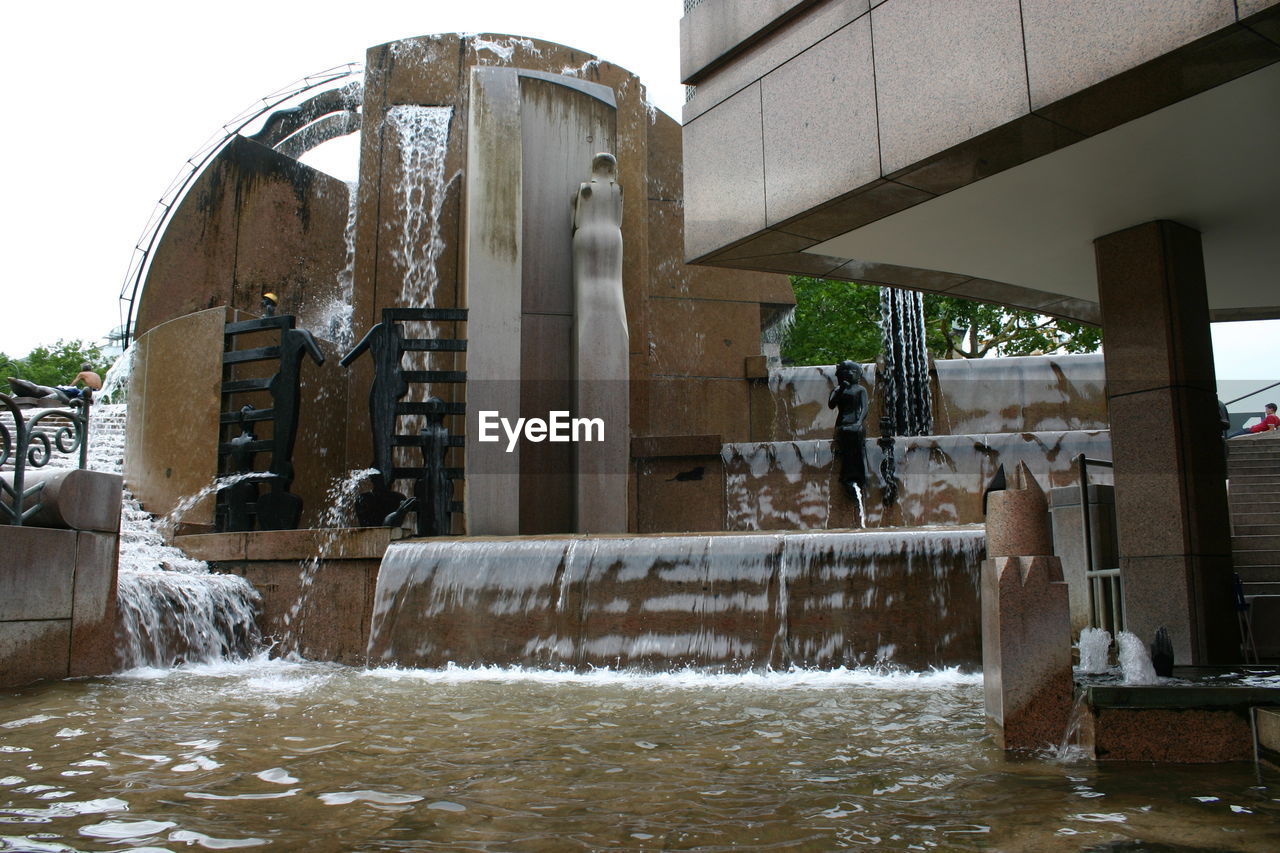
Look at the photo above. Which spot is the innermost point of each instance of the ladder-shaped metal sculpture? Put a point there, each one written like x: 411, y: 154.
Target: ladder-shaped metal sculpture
x: 432, y: 481
x: 240, y: 506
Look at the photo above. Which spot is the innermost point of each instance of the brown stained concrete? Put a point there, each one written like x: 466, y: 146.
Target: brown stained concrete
x: 177, y: 368
x: 57, y: 603
x: 339, y: 568
x: 1187, y: 736
x: 648, y: 149
x: 254, y: 221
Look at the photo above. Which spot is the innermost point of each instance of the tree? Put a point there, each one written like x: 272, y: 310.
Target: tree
x: 59, y: 363
x: 835, y: 320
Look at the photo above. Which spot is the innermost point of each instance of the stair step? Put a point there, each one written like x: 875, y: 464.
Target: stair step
x: 1261, y: 588
x: 1257, y: 529
x: 1241, y: 542
x: 1258, y: 574
x: 1268, y: 557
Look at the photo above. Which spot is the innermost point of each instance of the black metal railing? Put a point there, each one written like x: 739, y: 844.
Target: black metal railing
x: 29, y: 443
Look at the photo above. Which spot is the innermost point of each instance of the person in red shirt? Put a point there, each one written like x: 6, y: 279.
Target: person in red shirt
x: 1269, y: 422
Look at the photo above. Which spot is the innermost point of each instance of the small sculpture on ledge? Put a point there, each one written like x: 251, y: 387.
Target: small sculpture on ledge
x: 888, y: 465
x: 849, y: 399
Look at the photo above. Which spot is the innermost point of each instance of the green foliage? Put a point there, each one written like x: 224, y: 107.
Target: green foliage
x: 57, y: 364
x: 835, y: 320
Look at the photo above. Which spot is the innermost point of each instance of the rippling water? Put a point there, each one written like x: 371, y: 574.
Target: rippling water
x: 323, y: 757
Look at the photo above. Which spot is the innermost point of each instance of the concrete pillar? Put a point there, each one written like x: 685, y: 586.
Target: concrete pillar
x: 1171, y: 500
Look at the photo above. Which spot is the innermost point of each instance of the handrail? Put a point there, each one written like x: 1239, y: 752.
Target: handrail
x: 1091, y: 572
x: 31, y: 447
x: 1251, y: 393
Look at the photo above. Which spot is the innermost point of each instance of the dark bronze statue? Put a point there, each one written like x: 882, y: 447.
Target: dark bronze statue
x: 280, y: 509
x: 383, y: 342
x: 849, y: 399
x: 241, y: 498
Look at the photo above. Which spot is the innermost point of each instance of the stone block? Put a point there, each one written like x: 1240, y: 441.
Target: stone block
x: 73, y: 498
x: 816, y: 145
x: 37, y: 573
x: 213, y: 547
x: 1151, y: 288
x: 1190, y: 736
x: 933, y: 56
x: 1026, y: 650
x: 1166, y: 473
x: 93, y: 614
x: 1191, y: 596
x: 170, y: 458
x: 1018, y: 518
x: 724, y: 188
x: 31, y: 651
x: 678, y: 494
x: 702, y: 338
x: 1071, y: 46
x: 766, y: 53
x: 713, y: 29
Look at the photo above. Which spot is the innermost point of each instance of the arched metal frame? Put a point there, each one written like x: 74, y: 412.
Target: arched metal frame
x: 343, y: 100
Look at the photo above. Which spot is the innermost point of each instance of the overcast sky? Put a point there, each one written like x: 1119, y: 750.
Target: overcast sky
x: 107, y: 100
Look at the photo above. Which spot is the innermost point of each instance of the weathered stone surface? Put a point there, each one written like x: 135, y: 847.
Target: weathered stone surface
x: 1026, y: 650
x: 74, y: 498
x: 1190, y: 736
x: 1018, y: 518
x: 93, y: 610
x: 177, y: 367
x: 37, y: 571
x: 31, y: 651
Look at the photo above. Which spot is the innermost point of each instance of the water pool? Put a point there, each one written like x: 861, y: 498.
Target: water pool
x: 313, y: 756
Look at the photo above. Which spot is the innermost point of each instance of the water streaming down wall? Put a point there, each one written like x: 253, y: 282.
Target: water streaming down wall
x: 663, y: 602
x: 905, y: 378
x: 974, y: 397
x: 170, y: 608
x: 941, y: 478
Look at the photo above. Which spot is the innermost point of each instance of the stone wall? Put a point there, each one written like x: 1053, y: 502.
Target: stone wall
x: 57, y: 603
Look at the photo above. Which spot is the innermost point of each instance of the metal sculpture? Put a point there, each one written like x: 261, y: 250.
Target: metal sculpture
x: 432, y: 489
x: 849, y: 398
x: 278, y: 508
x: 888, y: 465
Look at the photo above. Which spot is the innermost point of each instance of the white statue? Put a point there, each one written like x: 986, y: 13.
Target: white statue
x: 600, y: 346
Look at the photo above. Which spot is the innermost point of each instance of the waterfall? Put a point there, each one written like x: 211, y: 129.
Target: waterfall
x: 664, y: 602
x: 336, y: 316
x: 907, y: 397
x: 171, y: 609
x: 422, y: 136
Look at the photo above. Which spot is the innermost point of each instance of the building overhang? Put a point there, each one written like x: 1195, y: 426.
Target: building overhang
x: 1008, y: 214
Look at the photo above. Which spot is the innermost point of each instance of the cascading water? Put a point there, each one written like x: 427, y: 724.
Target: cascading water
x: 907, y: 396
x: 171, y: 608
x: 422, y: 136
x: 335, y: 319
x: 661, y: 602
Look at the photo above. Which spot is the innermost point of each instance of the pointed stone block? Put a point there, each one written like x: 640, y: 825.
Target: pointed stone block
x: 1026, y: 650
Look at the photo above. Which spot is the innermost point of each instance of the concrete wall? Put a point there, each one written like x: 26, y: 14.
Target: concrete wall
x: 57, y: 603
x: 690, y: 328
x: 172, y: 434
x: 824, y: 117
x: 339, y: 570
x: 253, y: 221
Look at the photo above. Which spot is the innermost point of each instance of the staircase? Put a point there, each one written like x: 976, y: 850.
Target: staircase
x: 1253, y: 469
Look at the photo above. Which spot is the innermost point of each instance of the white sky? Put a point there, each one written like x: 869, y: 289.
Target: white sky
x: 107, y: 100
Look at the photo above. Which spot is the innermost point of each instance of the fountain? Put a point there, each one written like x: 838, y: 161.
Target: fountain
x: 694, y: 651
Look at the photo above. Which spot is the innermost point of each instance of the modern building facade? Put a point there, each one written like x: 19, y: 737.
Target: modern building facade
x: 1110, y: 161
